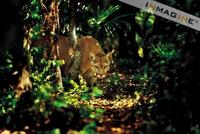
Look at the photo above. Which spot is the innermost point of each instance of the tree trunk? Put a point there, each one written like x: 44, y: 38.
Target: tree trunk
x: 75, y: 59
x: 72, y: 23
x: 51, y: 27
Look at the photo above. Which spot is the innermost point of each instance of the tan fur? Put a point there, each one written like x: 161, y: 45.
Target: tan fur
x: 94, y: 62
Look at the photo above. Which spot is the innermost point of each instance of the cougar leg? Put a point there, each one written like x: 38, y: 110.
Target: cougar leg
x: 89, y: 77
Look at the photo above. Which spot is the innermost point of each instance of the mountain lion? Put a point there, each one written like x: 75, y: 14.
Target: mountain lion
x: 94, y: 62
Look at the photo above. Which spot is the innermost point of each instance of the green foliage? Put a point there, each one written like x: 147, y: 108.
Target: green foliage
x: 36, y: 10
x: 96, y: 92
x: 160, y: 55
x: 80, y: 92
x: 7, y: 102
x: 48, y: 95
x: 55, y: 131
x: 163, y: 59
x: 101, y: 15
x: 42, y: 70
x: 89, y: 129
x: 91, y: 112
x: 35, y: 32
x: 145, y: 81
x: 48, y: 98
x: 32, y: 17
x: 139, y: 39
x: 8, y: 72
x: 45, y: 89
x: 164, y: 50
x: 100, y: 22
x: 195, y: 130
x: 114, y: 80
x: 167, y: 69
x: 145, y: 20
x: 7, y: 65
x: 77, y: 93
x: 104, y: 21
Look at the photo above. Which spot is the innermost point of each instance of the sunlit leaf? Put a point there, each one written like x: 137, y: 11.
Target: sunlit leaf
x: 89, y: 129
x: 35, y: 16
x: 138, y: 39
x: 152, y: 19
x: 85, y: 97
x: 59, y: 104
x: 3, y: 110
x: 93, y: 115
x: 92, y: 22
x: 33, y: 2
x: 150, y: 22
x: 100, y: 111
x: 140, y: 52
x: 56, y: 131
x: 139, y: 21
x: 97, y: 92
x: 102, y: 15
x: 152, y: 101
x: 10, y: 66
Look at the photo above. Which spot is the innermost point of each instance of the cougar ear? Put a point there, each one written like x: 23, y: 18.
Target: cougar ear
x: 109, y: 55
x: 91, y: 56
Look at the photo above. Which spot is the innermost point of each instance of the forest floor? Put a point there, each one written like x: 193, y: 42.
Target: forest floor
x: 117, y: 118
x: 123, y: 107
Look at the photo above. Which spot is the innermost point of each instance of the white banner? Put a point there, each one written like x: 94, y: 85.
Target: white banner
x: 166, y: 12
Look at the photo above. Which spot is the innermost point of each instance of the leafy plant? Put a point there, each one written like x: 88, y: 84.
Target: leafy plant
x: 145, y: 21
x: 89, y: 129
x: 100, y: 22
x: 7, y: 102
x: 6, y: 64
x: 114, y: 80
x: 166, y: 50
x: 76, y: 93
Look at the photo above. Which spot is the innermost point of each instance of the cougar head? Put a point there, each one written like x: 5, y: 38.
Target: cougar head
x: 100, y: 64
